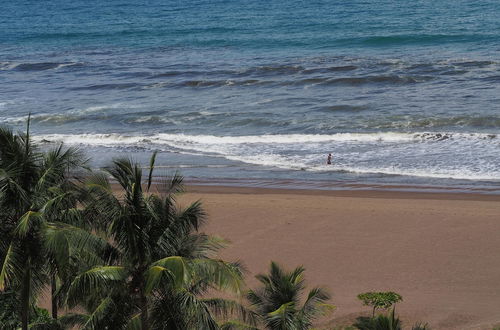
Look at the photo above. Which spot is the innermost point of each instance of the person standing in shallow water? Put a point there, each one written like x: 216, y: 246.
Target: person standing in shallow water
x: 329, y: 159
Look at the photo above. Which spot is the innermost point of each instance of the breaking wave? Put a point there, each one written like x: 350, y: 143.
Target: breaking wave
x: 111, y: 139
x: 37, y: 66
x: 449, y: 154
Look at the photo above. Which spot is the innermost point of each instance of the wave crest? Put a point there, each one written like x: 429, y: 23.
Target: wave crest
x: 110, y: 139
x: 37, y: 66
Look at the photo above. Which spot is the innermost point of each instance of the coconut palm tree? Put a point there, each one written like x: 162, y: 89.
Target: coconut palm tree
x: 278, y: 300
x: 160, y: 255
x: 190, y: 308
x: 34, y: 186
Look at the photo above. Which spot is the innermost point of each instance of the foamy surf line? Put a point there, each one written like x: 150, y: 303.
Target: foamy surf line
x: 113, y: 138
x: 384, y: 153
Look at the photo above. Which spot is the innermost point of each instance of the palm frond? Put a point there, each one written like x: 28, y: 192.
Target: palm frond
x: 282, y: 318
x: 127, y: 173
x: 175, y: 268
x: 56, y: 165
x: 99, y: 314
x: 256, y: 299
x: 12, y: 266
x: 180, y: 309
x: 98, y: 181
x: 227, y: 309
x: 236, y: 325
x: 196, y: 246
x: 62, y: 240
x: 151, y: 168
x: 169, y: 187
x: 192, y: 217
x: 97, y: 279
x: 315, y: 305
x: 27, y: 221
x: 135, y: 322
x: 222, y: 275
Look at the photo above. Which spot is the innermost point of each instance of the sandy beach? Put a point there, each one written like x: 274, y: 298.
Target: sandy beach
x: 441, y: 252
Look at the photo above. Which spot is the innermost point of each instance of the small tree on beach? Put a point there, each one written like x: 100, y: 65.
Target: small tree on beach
x: 379, y: 300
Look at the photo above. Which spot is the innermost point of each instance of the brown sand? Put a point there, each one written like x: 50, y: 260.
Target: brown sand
x: 441, y: 252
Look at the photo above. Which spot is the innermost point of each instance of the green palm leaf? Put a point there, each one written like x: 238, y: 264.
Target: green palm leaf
x: 175, y: 268
x: 12, y: 266
x: 99, y: 314
x: 28, y: 221
x: 315, y: 305
x: 283, y: 318
x: 151, y: 169
x: 95, y: 280
x: 236, y: 325
x: 222, y: 275
x: 134, y: 323
x: 226, y: 309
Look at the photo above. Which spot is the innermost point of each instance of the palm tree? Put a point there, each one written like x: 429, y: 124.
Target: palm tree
x: 160, y: 255
x: 277, y: 301
x: 34, y: 187
x: 189, y: 308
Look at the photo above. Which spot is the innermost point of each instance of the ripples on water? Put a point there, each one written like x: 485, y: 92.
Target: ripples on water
x: 405, y: 93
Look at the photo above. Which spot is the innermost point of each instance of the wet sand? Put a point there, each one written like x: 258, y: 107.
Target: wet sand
x: 441, y: 252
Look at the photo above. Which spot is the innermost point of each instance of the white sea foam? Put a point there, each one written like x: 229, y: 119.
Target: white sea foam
x: 424, y: 154
x: 288, y: 138
x: 62, y: 65
x: 110, y: 139
x: 90, y: 139
x: 8, y: 65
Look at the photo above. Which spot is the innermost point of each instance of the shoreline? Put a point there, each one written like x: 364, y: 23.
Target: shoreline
x: 358, y: 190
x: 438, y: 250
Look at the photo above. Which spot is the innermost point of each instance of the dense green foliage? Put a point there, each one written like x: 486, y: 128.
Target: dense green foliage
x: 9, y: 305
x: 385, y: 322
x: 133, y: 259
x: 379, y: 322
x: 37, y: 204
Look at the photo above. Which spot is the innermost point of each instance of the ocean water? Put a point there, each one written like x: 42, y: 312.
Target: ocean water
x: 403, y: 93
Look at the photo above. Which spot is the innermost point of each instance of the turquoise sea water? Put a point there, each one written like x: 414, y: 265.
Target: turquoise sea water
x: 402, y: 92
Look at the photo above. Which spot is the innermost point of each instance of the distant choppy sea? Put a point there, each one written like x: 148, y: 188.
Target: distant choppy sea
x: 401, y: 92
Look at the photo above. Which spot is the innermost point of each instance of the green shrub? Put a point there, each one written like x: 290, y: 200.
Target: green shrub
x: 8, y: 310
x: 379, y: 300
x: 9, y: 319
